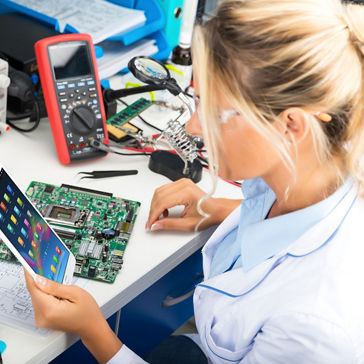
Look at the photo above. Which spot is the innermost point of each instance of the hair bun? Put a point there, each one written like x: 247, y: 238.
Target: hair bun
x: 354, y: 20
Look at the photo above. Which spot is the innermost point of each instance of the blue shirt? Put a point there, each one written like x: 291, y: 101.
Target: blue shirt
x: 256, y: 238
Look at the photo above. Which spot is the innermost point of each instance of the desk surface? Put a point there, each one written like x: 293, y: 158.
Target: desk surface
x: 148, y: 256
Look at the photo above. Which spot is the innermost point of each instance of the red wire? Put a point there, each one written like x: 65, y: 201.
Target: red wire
x: 228, y: 181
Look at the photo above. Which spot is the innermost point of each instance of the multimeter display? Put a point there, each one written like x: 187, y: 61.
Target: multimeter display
x: 72, y: 93
x: 69, y: 60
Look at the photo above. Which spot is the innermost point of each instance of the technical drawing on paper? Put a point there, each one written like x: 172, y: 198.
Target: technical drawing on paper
x: 15, y: 303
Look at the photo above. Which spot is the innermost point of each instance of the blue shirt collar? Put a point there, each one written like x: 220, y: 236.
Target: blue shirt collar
x: 261, y: 238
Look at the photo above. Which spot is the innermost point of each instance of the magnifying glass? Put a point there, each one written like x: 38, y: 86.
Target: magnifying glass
x: 155, y: 73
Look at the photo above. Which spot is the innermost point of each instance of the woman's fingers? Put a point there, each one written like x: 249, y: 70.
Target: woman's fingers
x: 49, y: 287
x: 182, y: 192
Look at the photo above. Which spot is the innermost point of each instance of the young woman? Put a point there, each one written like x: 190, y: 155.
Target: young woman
x: 280, y: 84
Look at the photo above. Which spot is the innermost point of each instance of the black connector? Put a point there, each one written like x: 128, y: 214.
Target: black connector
x: 172, y: 166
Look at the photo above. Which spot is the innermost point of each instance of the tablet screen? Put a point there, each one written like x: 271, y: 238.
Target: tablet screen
x: 29, y: 233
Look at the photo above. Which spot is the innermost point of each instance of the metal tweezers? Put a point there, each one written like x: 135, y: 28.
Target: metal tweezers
x: 105, y: 174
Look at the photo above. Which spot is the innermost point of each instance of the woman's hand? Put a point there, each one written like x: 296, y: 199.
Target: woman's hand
x: 72, y: 309
x: 185, y: 193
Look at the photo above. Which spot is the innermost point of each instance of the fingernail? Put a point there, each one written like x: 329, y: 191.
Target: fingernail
x: 156, y: 226
x: 41, y: 281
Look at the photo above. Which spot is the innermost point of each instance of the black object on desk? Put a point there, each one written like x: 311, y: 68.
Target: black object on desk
x: 106, y: 174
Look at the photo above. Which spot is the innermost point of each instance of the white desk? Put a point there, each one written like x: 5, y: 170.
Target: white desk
x: 148, y: 257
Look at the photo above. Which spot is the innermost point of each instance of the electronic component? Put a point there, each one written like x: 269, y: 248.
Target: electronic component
x: 64, y: 233
x: 77, y: 217
x: 119, y: 126
x: 129, y: 112
x: 62, y: 214
x: 49, y: 189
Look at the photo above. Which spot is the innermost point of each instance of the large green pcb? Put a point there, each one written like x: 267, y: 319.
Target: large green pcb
x: 94, y: 225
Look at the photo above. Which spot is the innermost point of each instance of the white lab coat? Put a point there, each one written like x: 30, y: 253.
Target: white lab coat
x: 308, y: 309
x: 303, y: 305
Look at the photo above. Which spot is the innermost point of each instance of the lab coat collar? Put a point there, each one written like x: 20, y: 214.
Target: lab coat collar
x: 320, y: 234
x: 264, y: 238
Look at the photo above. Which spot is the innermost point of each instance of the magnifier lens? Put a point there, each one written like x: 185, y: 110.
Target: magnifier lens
x: 151, y: 69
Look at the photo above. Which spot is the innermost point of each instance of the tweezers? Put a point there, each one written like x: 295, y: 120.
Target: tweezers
x: 105, y: 174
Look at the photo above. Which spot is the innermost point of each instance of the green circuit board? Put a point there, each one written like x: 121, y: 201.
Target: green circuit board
x: 94, y: 225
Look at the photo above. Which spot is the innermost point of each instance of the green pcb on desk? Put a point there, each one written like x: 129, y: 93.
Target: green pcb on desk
x: 94, y: 225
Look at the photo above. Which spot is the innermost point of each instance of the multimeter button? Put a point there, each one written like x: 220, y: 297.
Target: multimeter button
x: 82, y: 145
x: 93, y: 95
x: 71, y: 95
x: 63, y: 100
x: 90, y: 82
x: 98, y: 116
x: 77, y: 90
x: 61, y: 93
x: 94, y: 102
x: 71, y: 85
x: 78, y: 98
x: 80, y: 84
x: 64, y: 107
x: 92, y: 89
x: 84, y: 93
x: 72, y: 146
x: 61, y: 87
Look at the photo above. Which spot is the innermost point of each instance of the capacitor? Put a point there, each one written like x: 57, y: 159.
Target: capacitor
x: 118, y: 227
x: 92, y: 271
x: 98, y: 235
x: 129, y: 218
x: 104, y: 257
x: 107, y: 246
x: 87, y: 262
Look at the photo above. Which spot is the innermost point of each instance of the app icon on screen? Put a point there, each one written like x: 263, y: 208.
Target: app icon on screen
x: 3, y: 206
x: 58, y: 250
x: 13, y: 219
x: 24, y: 233
x: 21, y: 241
x: 10, y: 190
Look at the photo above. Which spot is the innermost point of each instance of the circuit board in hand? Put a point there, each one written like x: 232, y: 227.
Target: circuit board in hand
x: 94, y: 225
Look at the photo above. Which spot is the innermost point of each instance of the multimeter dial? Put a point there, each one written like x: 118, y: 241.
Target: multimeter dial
x: 82, y: 120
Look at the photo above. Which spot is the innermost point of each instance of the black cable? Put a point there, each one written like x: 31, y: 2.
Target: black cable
x: 187, y: 94
x: 36, y: 122
x: 142, y: 119
x: 19, y: 117
x: 140, y: 153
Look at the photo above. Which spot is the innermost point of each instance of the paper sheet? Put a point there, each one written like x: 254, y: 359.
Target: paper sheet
x: 101, y: 19
x: 116, y: 55
x: 15, y: 303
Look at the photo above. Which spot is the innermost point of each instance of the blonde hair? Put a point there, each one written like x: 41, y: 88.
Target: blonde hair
x: 265, y: 56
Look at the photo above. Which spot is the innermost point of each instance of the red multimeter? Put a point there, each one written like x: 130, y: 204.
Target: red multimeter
x: 72, y: 93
